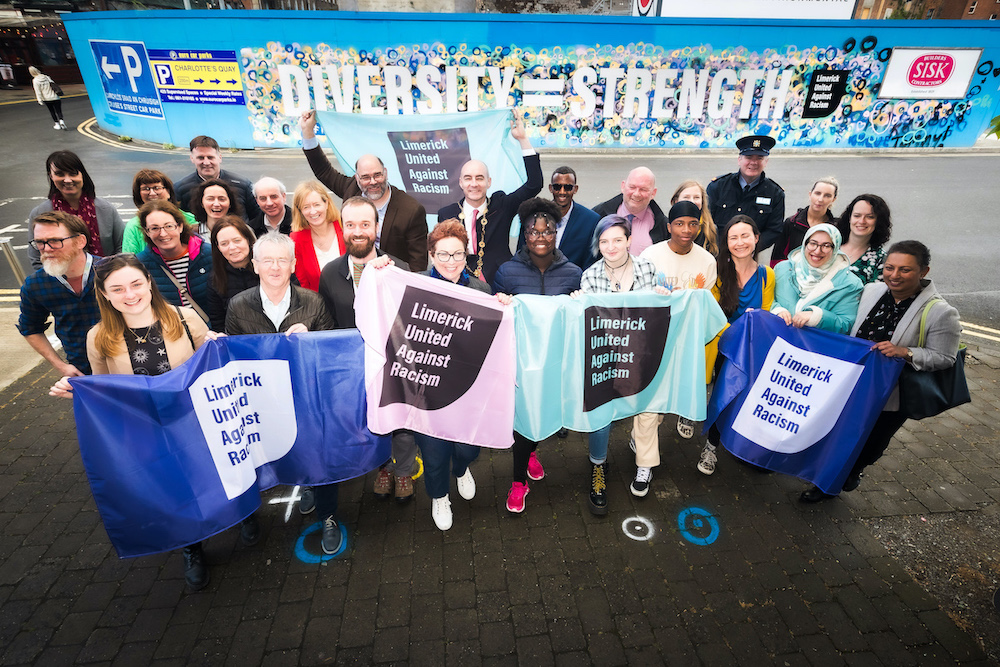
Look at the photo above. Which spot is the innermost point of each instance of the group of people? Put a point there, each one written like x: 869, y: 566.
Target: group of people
x: 215, y: 254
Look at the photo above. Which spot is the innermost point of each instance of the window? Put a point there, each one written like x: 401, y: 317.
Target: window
x: 993, y: 17
x: 972, y: 7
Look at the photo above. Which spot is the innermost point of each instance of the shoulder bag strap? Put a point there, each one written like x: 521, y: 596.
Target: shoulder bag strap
x: 186, y: 329
x: 922, y: 336
x: 183, y: 290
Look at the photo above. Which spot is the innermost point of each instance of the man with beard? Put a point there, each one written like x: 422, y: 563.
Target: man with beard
x: 63, y: 288
x: 636, y: 204
x: 575, y: 230
x: 337, y: 285
x: 207, y: 161
x: 401, y: 225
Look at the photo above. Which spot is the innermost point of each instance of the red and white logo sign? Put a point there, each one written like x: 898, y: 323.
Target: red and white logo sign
x: 643, y: 6
x: 931, y: 69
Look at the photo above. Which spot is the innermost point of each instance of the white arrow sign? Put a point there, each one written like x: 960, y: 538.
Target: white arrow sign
x: 108, y: 68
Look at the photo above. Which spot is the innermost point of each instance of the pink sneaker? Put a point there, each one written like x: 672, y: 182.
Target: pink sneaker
x: 515, y: 499
x: 535, y: 469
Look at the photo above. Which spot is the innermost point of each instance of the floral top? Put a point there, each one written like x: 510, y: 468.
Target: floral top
x: 869, y: 266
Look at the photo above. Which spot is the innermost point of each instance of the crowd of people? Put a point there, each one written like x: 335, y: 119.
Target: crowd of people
x: 215, y: 254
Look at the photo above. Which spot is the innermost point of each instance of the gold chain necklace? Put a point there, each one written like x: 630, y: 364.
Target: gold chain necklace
x: 142, y: 340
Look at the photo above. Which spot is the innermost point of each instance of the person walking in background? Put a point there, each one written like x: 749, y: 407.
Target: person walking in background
x: 47, y: 93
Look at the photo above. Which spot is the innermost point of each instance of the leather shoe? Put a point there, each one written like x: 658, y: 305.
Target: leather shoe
x: 814, y: 495
x: 250, y: 531
x: 562, y: 433
x: 195, y: 571
x: 853, y: 481
x: 332, y: 539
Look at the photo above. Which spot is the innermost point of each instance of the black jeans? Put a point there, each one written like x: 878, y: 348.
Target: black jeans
x: 878, y: 440
x: 522, y: 452
x: 55, y: 108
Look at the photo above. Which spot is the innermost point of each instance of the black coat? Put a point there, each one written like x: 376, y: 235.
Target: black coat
x: 259, y: 229
x: 237, y: 280
x: 246, y: 313
x: 660, y: 230
x: 243, y: 188
x: 336, y: 286
x: 764, y: 202
x: 494, y: 227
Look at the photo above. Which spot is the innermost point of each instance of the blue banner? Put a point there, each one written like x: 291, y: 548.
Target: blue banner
x: 583, y: 363
x: 176, y: 458
x: 798, y: 401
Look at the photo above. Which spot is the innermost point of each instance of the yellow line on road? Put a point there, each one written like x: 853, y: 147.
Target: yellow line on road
x: 980, y: 327
x: 980, y: 335
x: 2, y: 104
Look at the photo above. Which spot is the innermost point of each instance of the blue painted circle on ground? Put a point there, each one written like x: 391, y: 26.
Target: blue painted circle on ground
x: 311, y: 558
x: 694, y: 522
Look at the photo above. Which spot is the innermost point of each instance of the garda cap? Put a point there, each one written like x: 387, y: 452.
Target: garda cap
x: 755, y: 144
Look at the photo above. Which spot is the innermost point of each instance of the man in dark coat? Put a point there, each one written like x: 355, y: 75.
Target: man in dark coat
x: 487, y: 219
x: 750, y: 192
x: 636, y: 204
x: 402, y: 220
x: 207, y: 160
x: 275, y: 214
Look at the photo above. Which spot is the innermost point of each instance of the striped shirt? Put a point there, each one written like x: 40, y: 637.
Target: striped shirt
x: 179, y: 267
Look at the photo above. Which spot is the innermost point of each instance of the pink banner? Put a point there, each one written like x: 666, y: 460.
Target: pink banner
x: 439, y: 358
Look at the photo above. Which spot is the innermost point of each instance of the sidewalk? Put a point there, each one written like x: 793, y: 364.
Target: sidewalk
x: 777, y: 583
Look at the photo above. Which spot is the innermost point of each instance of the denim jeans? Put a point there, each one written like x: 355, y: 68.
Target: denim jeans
x: 440, y: 456
x: 598, y: 442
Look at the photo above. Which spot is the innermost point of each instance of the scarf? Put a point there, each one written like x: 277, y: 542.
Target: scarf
x: 88, y: 213
x: 463, y: 279
x: 808, y: 276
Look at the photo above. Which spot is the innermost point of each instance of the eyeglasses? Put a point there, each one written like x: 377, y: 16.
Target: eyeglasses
x: 442, y: 256
x: 151, y: 188
x: 169, y: 227
x: 562, y: 187
x: 372, y: 178
x: 534, y: 233
x: 812, y: 245
x: 55, y: 244
x: 268, y: 262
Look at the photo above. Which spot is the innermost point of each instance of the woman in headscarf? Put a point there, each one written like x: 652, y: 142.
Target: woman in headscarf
x: 815, y: 287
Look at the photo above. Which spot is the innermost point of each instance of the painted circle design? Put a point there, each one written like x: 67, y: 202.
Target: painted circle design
x: 698, y: 526
x: 307, y: 556
x: 638, y: 528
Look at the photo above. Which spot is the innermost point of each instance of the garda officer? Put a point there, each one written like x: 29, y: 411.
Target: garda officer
x: 749, y: 192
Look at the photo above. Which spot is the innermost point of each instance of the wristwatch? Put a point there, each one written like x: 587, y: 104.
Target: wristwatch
x: 909, y: 355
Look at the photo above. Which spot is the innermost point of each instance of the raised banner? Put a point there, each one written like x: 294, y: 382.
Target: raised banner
x: 176, y: 458
x: 585, y: 362
x: 424, y: 154
x: 798, y: 401
x: 438, y: 357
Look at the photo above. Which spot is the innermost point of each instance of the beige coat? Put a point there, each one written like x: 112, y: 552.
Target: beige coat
x: 178, y: 351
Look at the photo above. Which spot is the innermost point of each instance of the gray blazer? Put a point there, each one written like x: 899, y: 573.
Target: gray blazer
x: 108, y: 221
x: 943, y: 330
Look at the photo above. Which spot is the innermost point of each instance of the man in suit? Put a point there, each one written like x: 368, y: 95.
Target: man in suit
x: 402, y: 220
x: 207, y: 160
x: 487, y: 219
x: 337, y: 285
x: 636, y: 204
x: 275, y: 215
x: 749, y: 191
x: 575, y: 230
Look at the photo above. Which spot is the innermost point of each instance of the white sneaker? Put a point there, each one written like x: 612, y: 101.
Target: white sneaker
x: 640, y: 485
x: 62, y: 124
x: 56, y: 126
x: 467, y: 485
x: 685, y: 428
x: 708, y: 460
x: 441, y: 512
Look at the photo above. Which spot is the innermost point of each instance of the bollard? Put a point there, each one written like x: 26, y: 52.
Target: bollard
x: 15, y: 264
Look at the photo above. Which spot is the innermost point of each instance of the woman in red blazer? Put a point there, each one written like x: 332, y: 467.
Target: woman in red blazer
x: 316, y: 230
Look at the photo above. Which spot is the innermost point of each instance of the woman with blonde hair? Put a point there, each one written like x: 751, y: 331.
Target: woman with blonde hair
x: 141, y: 334
x: 317, y: 232
x: 692, y: 191
x: 47, y: 92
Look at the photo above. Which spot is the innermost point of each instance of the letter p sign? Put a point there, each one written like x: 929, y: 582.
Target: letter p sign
x: 164, y: 75
x: 133, y: 66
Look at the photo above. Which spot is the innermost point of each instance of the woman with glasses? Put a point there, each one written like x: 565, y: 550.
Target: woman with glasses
x: 141, y: 334
x: 867, y: 225
x: 317, y: 232
x: 72, y: 191
x: 446, y: 246
x: 821, y: 198
x: 232, y: 268
x: 617, y: 271
x: 179, y: 260
x: 815, y: 287
x: 211, y: 201
x: 537, y: 268
x: 148, y: 185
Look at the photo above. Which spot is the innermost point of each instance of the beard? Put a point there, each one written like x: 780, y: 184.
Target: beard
x: 374, y: 195
x: 55, y: 267
x: 360, y: 246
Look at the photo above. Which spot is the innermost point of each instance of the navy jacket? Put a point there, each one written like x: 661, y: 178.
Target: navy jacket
x: 577, y: 237
x: 520, y: 276
x: 243, y: 188
x: 198, y: 276
x: 764, y: 202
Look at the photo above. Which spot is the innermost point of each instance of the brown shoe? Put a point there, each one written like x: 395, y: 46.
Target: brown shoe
x: 404, y: 489
x: 383, y: 483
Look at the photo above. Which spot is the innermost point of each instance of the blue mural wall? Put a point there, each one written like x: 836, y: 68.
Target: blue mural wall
x: 243, y: 77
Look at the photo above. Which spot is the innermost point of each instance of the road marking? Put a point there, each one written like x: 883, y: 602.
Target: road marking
x: 982, y: 335
x: 693, y: 523
x: 969, y: 324
x: 638, y: 528
x: 64, y: 97
x: 292, y: 499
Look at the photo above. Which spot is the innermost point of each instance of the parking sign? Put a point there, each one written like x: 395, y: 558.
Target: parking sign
x: 129, y: 86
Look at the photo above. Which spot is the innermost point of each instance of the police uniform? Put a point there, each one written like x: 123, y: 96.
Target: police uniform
x: 764, y: 201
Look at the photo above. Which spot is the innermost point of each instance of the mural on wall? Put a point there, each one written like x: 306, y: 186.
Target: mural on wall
x: 634, y: 95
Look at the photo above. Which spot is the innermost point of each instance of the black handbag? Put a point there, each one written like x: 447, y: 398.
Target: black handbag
x: 55, y: 88
x: 928, y: 393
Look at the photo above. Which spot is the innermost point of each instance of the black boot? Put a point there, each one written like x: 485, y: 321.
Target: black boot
x: 598, y: 489
x: 195, y: 571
